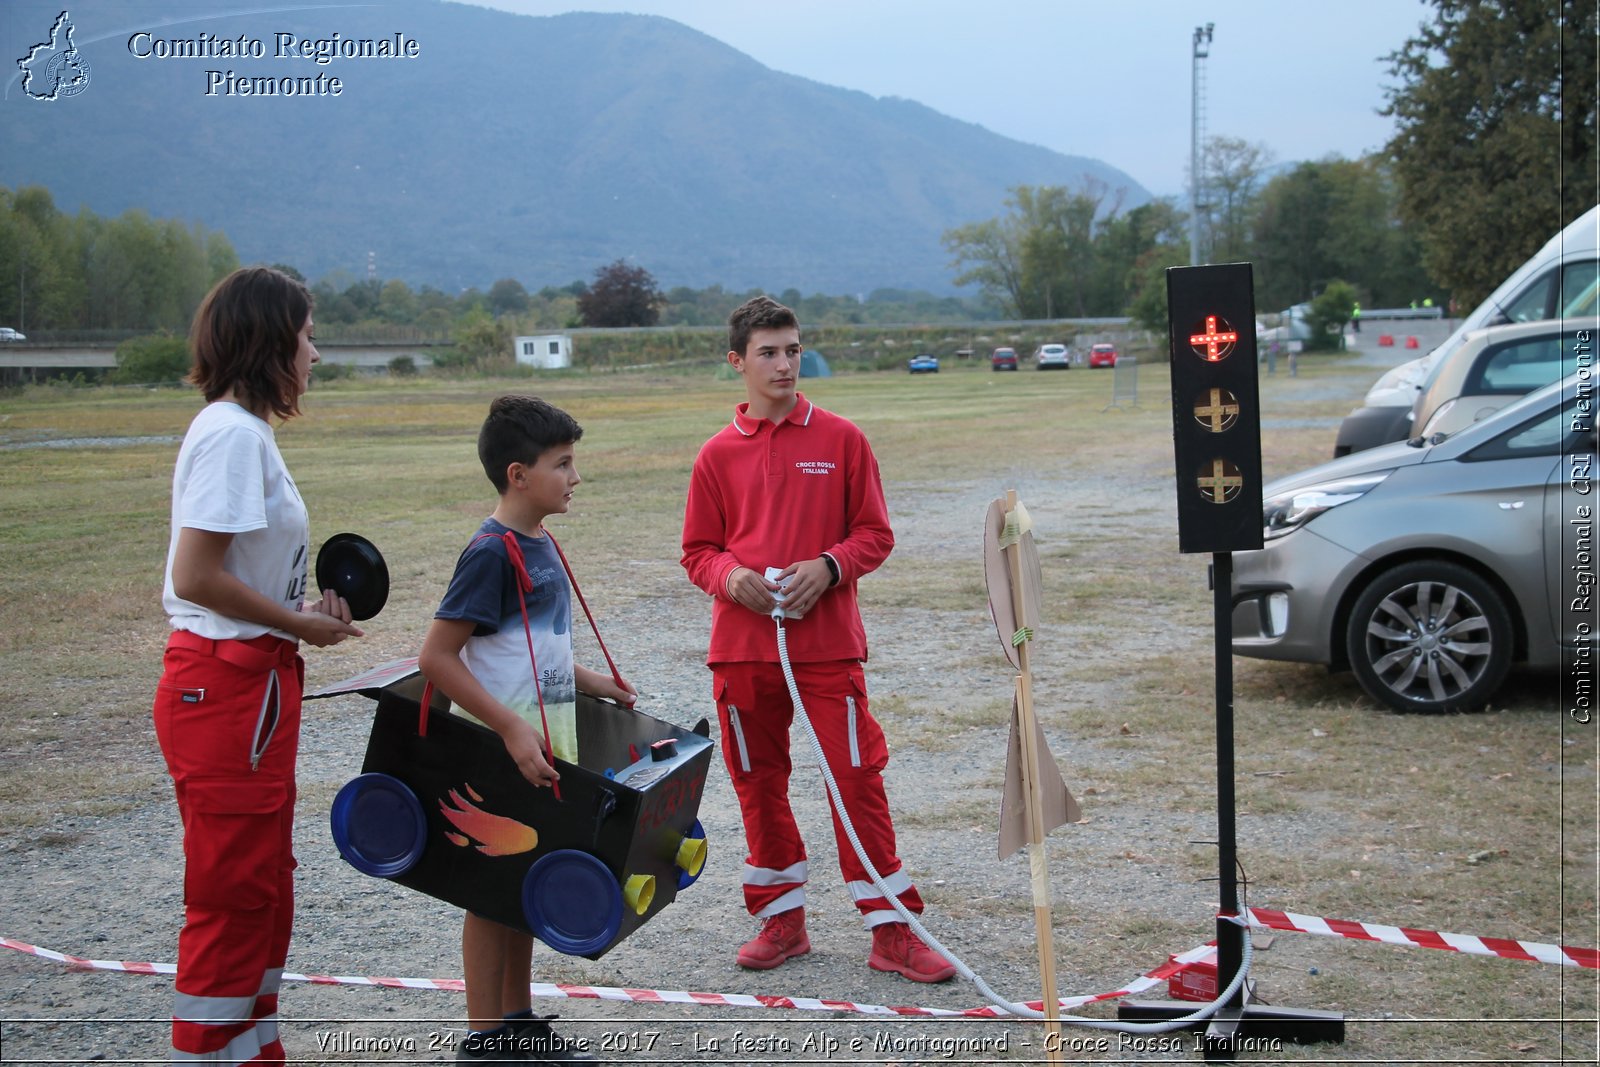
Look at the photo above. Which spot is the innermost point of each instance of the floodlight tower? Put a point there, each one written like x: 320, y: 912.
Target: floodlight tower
x: 1202, y: 48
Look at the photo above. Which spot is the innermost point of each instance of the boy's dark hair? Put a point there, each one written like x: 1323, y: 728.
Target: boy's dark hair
x: 519, y: 428
x: 757, y: 313
x: 245, y: 336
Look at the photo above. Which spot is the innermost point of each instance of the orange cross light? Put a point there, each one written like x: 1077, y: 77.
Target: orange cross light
x: 1221, y: 482
x: 1217, y: 411
x: 1214, y: 344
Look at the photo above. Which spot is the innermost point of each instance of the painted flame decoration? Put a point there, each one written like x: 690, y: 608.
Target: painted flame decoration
x: 495, y: 835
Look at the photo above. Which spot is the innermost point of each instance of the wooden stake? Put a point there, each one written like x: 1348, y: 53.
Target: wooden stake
x: 1038, y: 861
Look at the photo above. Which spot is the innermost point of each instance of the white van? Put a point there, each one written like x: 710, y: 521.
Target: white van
x: 1555, y: 277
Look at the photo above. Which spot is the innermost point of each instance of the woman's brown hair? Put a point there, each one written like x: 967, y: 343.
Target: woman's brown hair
x: 245, y: 337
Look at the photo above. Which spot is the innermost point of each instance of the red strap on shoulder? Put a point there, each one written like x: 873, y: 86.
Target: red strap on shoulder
x: 427, y: 703
x: 519, y: 569
x: 615, y: 676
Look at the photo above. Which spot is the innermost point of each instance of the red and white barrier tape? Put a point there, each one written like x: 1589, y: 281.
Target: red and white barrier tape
x: 1562, y: 955
x: 646, y: 996
x: 1263, y: 918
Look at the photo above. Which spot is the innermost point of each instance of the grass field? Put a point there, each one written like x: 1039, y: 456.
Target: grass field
x: 1480, y: 824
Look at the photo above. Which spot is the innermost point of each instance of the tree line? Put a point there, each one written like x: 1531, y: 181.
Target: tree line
x: 618, y: 294
x: 1494, y: 150
x: 134, y: 273
x: 1060, y: 252
x: 85, y: 272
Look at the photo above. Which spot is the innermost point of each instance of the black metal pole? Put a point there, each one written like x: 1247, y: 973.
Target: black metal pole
x: 1230, y: 937
x: 1238, y: 1017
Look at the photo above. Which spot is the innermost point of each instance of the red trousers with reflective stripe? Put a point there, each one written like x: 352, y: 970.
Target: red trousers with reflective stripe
x: 227, y: 716
x: 755, y: 712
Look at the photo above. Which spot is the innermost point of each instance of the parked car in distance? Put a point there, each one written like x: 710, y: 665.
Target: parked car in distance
x: 1053, y: 357
x: 1428, y: 567
x: 1292, y: 326
x: 923, y: 363
x: 1494, y: 366
x: 1102, y: 355
x: 1003, y: 359
x: 8, y: 334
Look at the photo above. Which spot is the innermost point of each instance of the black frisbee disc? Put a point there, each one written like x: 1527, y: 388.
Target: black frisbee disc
x: 353, y: 567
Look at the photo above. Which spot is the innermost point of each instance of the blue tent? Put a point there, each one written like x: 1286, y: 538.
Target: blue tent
x: 814, y: 365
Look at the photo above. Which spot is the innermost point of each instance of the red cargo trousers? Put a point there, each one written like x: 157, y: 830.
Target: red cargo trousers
x: 755, y: 711
x: 227, y: 716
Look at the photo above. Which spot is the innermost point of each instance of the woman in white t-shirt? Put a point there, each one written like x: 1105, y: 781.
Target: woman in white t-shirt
x: 227, y: 708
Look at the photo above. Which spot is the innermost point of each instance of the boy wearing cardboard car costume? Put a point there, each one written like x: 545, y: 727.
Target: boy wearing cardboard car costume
x: 476, y: 652
x: 788, y: 485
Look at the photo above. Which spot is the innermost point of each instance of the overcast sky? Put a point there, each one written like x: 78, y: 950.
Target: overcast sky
x: 1109, y: 80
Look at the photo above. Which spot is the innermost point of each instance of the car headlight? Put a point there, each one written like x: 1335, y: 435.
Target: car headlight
x: 1289, y: 511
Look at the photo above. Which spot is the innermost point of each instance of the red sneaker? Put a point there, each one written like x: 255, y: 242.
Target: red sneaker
x: 896, y: 948
x: 782, y: 937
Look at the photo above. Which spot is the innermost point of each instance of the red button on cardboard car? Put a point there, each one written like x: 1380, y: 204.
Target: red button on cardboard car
x: 441, y: 808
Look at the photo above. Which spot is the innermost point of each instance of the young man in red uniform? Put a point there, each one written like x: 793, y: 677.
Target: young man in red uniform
x: 791, y: 486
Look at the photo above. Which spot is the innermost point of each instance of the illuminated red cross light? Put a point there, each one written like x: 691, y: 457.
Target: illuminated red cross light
x: 1214, y: 345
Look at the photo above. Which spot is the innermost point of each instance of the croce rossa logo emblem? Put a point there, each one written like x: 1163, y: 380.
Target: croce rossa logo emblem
x: 54, y: 69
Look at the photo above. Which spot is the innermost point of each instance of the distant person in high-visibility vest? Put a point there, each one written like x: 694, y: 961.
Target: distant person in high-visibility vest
x: 1355, y: 318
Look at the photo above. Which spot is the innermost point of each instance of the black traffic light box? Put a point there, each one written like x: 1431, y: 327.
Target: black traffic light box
x: 1216, y: 409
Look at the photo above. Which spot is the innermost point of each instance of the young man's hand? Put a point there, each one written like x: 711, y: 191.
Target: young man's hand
x: 526, y: 748
x: 806, y: 582
x: 751, y: 590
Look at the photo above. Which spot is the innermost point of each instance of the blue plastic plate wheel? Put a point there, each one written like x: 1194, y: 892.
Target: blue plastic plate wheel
x: 572, y: 902
x: 378, y: 825
x: 685, y: 879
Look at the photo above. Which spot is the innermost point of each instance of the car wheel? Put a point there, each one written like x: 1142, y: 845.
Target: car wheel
x: 1429, y: 637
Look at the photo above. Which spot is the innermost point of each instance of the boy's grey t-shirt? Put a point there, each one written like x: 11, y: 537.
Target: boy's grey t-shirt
x: 484, y: 591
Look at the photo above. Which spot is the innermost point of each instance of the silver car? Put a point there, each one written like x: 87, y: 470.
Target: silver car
x: 1429, y: 568
x: 1493, y: 366
x: 1053, y: 357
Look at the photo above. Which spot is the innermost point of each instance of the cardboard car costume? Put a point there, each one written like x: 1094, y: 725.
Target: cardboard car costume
x: 440, y: 807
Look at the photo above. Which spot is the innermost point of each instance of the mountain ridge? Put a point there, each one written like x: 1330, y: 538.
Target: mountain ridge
x: 532, y: 147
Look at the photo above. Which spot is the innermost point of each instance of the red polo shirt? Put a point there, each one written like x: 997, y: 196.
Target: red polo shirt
x: 768, y: 495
